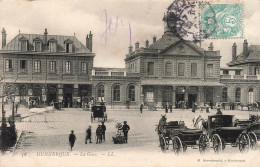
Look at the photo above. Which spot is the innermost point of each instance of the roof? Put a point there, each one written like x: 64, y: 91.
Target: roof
x: 13, y: 45
x: 253, y: 55
x: 111, y: 69
x: 179, y: 83
x: 231, y: 68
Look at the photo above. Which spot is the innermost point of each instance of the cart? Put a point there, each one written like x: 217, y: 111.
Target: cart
x: 98, y: 112
x: 221, y: 131
x: 177, y: 135
x: 119, y: 138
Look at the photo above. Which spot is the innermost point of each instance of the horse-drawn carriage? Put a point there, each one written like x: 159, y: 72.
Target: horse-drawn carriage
x: 98, y: 112
x: 221, y: 132
x: 252, y: 125
x: 175, y: 133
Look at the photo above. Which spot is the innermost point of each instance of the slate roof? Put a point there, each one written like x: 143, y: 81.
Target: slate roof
x: 252, y: 55
x: 13, y: 45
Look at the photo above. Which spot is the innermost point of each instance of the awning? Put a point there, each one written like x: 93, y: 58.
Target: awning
x: 179, y: 83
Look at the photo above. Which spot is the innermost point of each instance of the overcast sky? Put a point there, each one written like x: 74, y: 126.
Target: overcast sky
x: 140, y: 18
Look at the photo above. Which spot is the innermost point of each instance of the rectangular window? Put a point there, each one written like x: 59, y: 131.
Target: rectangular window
x: 224, y: 95
x: 237, y: 72
x: 38, y: 46
x: 52, y: 66
x: 150, y: 68
x: 225, y: 72
x: 181, y: 68
x: 67, y: 47
x: 68, y: 67
x: 84, y: 67
x: 149, y: 96
x: 23, y: 45
x: 193, y: 69
x: 209, y: 70
x: 168, y: 69
x: 250, y: 71
x: 8, y: 65
x: 52, y: 46
x: 23, y: 65
x: 37, y: 66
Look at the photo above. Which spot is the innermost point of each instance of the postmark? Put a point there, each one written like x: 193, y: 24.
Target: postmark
x: 227, y: 18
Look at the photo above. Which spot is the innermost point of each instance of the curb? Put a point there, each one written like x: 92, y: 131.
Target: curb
x: 18, y: 140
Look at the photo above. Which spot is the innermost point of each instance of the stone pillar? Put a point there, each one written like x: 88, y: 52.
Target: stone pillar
x: 76, y: 101
x: 201, y: 96
x: 159, y: 97
x: 186, y: 93
x: 173, y: 97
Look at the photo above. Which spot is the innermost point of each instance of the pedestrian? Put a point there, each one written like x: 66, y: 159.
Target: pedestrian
x: 166, y: 107
x: 141, y: 108
x: 16, y: 107
x: 218, y: 111
x: 88, y: 137
x: 171, y: 107
x: 72, y: 139
x: 193, y: 107
x: 104, y: 128
x: 99, y: 134
x: 125, y: 129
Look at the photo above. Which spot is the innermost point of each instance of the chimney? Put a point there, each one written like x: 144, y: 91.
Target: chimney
x: 154, y: 39
x: 146, y: 43
x: 3, y: 38
x: 137, y: 45
x: 234, y: 52
x: 130, y: 49
x: 45, y: 36
x: 87, y: 41
x: 90, y: 41
x: 245, y: 49
x: 210, y: 48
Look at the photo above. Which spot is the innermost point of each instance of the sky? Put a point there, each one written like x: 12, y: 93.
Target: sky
x: 131, y: 21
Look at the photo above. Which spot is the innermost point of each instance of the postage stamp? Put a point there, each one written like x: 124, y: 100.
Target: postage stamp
x: 221, y: 20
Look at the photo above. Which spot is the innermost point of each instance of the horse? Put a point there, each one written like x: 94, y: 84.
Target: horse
x: 198, y: 122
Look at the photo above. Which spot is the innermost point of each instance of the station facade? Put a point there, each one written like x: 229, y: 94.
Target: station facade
x: 47, y: 68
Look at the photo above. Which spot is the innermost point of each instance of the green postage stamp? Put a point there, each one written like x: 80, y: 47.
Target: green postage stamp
x: 221, y: 20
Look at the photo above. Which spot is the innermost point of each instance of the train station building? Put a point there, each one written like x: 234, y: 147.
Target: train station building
x: 47, y: 68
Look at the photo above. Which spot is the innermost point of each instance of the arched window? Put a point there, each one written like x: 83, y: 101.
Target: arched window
x: 224, y: 95
x: 238, y: 95
x: 251, y: 95
x: 131, y: 93
x: 116, y: 93
x: 101, y: 92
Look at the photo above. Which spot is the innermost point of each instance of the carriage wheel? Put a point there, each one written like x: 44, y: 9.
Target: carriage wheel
x: 243, y: 143
x: 177, y: 145
x: 203, y: 144
x: 253, y: 140
x: 217, y: 143
x: 91, y: 117
x: 162, y: 143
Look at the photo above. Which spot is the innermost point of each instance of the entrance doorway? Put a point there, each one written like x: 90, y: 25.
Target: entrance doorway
x: 192, y: 98
x: 209, y: 95
x: 52, y: 94
x: 67, y: 89
x: 179, y: 100
x: 167, y: 95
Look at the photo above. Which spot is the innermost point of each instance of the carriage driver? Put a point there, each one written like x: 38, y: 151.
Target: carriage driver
x: 125, y: 129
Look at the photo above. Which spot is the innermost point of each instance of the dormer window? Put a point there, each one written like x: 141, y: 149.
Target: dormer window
x: 52, y: 43
x: 37, y: 44
x: 23, y: 44
x: 68, y: 45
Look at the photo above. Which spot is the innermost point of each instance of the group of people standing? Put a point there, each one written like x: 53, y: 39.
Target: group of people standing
x: 167, y: 107
x: 100, y: 134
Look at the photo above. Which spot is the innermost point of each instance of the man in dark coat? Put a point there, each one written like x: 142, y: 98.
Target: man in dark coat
x: 72, y: 139
x: 141, y: 108
x: 171, y: 107
x: 99, y: 134
x: 125, y: 129
x: 88, y: 137
x: 166, y: 107
x: 104, y: 128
